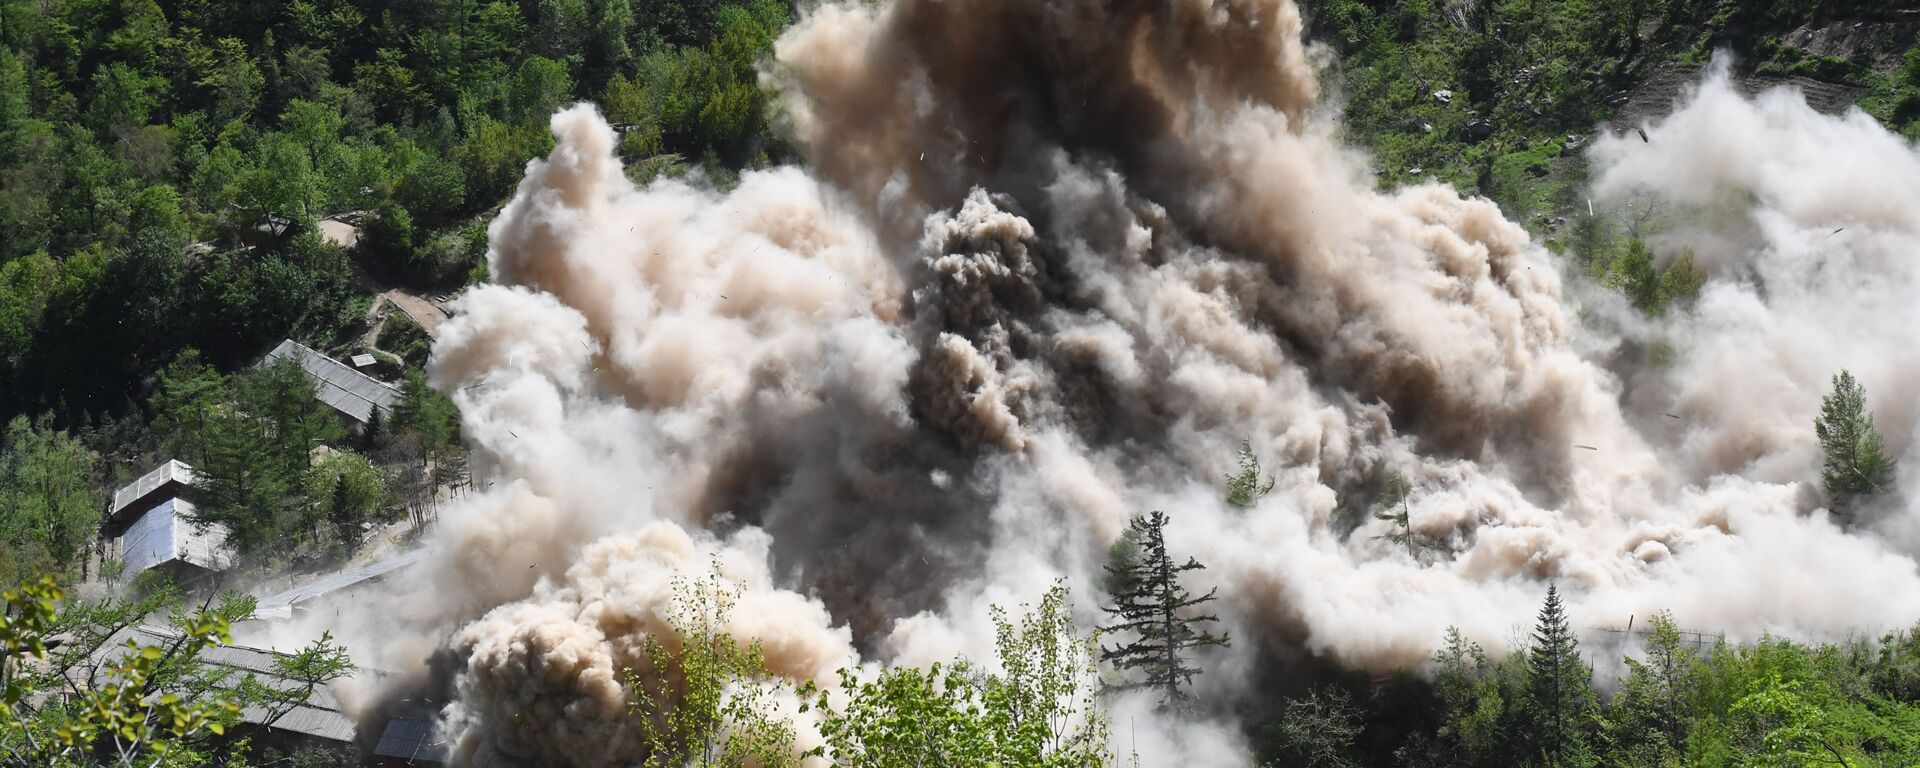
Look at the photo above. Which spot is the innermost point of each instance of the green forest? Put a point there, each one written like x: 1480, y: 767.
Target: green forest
x: 166, y: 172
x: 163, y: 173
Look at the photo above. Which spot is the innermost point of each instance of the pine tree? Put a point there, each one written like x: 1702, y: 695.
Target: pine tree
x: 1243, y: 487
x: 281, y: 395
x: 340, y: 514
x: 1147, y: 597
x: 1559, y: 698
x: 241, y: 480
x: 372, y: 437
x: 1855, y: 466
x: 1401, y: 516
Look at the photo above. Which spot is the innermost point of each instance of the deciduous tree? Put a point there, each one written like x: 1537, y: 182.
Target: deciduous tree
x: 1042, y: 709
x: 48, y: 509
x: 707, y: 701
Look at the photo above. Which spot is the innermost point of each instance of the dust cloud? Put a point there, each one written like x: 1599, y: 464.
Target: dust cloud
x: 1047, y: 264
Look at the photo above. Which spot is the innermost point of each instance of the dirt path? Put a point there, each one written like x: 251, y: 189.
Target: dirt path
x: 339, y: 233
x: 423, y: 312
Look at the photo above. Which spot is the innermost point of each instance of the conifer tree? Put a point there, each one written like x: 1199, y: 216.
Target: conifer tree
x: 241, y: 480
x: 1244, y: 487
x: 1855, y: 466
x: 340, y: 513
x: 373, y: 436
x: 1559, y: 700
x: 1149, y: 602
x: 1400, y: 515
x: 293, y: 421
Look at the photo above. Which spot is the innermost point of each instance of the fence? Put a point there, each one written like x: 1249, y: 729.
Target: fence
x: 1700, y: 641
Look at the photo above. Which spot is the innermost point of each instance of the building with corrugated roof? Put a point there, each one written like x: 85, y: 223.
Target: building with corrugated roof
x: 410, y: 739
x: 151, y: 527
x: 319, y: 717
x: 352, y: 393
x: 287, y: 604
x: 165, y: 481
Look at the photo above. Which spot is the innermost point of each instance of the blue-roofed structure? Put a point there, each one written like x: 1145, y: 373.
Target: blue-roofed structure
x: 408, y: 737
x: 151, y: 528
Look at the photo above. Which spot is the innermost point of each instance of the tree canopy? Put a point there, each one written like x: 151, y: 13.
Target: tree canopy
x: 1854, y: 466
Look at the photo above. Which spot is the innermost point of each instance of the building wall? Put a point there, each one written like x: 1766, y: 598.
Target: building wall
x: 149, y: 541
x: 166, y: 533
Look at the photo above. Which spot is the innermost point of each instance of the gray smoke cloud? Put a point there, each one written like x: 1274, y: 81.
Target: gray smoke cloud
x: 1047, y: 265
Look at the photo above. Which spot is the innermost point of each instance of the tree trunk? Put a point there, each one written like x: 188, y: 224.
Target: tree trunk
x: 1166, y: 616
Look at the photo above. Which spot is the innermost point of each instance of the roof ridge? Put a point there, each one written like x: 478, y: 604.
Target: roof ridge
x: 343, y: 366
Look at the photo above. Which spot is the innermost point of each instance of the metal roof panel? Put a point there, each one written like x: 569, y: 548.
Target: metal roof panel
x: 337, y: 384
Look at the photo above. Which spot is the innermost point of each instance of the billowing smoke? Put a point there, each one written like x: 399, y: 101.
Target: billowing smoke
x: 559, y: 659
x: 1047, y: 265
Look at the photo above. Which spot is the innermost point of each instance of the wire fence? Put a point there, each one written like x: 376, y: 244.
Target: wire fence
x: 1697, y: 640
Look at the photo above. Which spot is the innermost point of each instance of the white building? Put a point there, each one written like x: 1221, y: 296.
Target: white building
x: 150, y: 527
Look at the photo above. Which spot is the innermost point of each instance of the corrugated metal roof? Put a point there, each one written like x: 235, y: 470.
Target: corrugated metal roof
x: 280, y: 606
x: 337, y: 384
x: 319, y: 716
x: 165, y: 534
x: 171, y: 472
x: 412, y: 738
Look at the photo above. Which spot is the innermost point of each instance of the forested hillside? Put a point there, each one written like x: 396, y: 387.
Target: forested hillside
x: 164, y: 168
x: 176, y: 179
x: 1500, y: 98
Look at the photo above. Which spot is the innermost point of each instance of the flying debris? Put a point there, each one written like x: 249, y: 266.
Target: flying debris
x: 1587, y: 447
x: 1673, y: 416
x: 1643, y: 135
